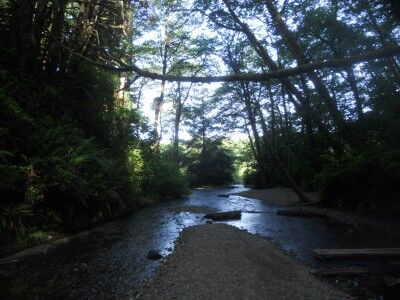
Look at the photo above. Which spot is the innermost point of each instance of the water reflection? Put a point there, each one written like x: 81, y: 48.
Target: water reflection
x: 297, y: 235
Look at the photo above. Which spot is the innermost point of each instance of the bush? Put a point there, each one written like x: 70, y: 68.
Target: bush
x: 253, y: 178
x: 169, y: 181
x: 211, y: 164
x: 37, y: 236
x: 13, y: 219
x: 64, y: 151
x: 367, y: 182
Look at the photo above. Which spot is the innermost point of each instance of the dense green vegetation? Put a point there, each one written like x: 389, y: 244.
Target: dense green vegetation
x: 78, y: 147
x: 73, y: 151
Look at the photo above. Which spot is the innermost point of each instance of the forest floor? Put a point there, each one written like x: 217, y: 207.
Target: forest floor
x: 219, y: 261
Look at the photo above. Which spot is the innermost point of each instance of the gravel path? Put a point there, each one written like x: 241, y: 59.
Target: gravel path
x: 222, y: 262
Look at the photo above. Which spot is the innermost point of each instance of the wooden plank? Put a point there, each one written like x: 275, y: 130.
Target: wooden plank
x: 365, y: 252
x: 300, y: 213
x: 228, y: 215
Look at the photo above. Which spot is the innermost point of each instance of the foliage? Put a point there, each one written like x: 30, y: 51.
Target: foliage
x: 37, y: 236
x: 50, y: 164
x: 252, y: 177
x: 12, y: 218
x: 210, y: 163
x: 169, y: 180
x: 358, y: 180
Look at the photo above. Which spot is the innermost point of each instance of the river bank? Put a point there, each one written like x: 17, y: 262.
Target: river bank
x: 44, y: 241
x: 285, y: 197
x: 222, y: 262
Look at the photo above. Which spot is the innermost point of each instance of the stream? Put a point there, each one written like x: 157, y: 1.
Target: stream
x: 111, y: 262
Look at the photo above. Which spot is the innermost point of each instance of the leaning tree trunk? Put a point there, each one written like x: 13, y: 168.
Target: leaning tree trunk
x: 297, y: 51
x: 278, y: 163
x: 288, y: 86
x: 260, y: 158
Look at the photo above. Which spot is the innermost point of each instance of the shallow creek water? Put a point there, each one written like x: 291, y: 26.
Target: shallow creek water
x: 111, y: 262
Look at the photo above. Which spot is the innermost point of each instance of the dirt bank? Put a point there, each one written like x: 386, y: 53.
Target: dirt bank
x: 222, y: 262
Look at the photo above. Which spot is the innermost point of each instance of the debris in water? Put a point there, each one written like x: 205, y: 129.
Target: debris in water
x: 228, y: 215
x: 223, y: 195
x: 154, y: 255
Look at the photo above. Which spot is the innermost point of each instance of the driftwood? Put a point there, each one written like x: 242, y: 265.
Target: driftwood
x: 366, y: 252
x: 302, y: 203
x: 300, y: 213
x: 350, y: 271
x: 221, y: 216
x: 223, y: 195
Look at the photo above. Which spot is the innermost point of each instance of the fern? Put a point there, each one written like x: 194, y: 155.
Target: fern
x: 11, y: 217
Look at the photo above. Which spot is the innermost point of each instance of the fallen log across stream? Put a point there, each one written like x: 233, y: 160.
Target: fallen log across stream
x: 350, y: 271
x: 227, y: 215
x: 300, y: 213
x: 223, y: 195
x: 365, y: 252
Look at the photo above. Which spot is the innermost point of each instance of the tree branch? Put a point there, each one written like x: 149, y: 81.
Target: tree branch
x: 257, y: 77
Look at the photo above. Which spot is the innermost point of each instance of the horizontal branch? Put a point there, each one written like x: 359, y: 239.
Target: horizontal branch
x: 258, y: 77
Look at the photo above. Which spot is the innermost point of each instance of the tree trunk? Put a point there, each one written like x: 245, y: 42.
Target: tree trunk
x: 253, y: 150
x: 158, y: 102
x: 21, y: 23
x: 278, y: 163
x: 37, y: 31
x: 357, y: 97
x: 273, y: 115
x: 307, y: 115
x: 260, y: 158
x: 56, y: 37
x: 288, y: 86
x: 177, y: 121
